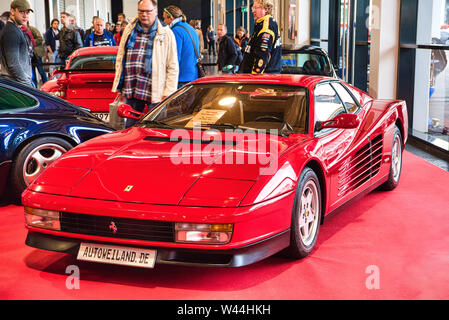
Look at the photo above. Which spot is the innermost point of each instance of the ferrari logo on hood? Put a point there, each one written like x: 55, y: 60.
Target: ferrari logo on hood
x: 128, y: 188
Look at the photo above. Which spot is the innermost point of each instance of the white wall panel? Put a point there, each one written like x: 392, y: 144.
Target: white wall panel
x: 129, y: 8
x: 4, y: 6
x: 37, y: 19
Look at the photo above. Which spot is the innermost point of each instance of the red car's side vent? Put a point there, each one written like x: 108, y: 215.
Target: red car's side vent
x: 358, y: 169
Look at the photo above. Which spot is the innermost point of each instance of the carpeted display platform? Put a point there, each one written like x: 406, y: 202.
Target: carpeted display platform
x: 389, y: 245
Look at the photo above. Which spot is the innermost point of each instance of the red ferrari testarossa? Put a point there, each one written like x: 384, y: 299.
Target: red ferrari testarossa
x: 227, y: 171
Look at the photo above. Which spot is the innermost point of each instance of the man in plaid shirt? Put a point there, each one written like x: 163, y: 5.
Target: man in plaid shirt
x: 147, y: 64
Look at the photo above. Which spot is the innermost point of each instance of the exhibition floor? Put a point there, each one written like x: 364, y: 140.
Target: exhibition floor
x: 388, y: 245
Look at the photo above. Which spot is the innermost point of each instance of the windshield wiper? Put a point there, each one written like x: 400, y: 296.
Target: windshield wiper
x: 286, y: 129
x: 157, y: 122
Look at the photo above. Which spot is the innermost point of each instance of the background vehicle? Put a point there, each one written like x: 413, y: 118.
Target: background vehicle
x: 225, y: 172
x: 307, y: 59
x: 86, y: 80
x: 35, y: 130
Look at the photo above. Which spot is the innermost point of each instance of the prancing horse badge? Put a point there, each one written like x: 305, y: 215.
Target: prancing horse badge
x: 128, y: 188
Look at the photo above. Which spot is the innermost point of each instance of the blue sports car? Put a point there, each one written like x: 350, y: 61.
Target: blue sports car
x: 36, y: 129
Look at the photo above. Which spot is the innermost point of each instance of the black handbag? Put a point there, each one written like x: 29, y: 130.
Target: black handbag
x: 201, y: 71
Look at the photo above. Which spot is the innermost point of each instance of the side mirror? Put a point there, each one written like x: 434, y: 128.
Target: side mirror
x: 62, y: 82
x: 126, y: 111
x: 341, y: 121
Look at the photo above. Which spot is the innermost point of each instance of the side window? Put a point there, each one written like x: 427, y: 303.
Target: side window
x: 350, y: 104
x: 327, y: 103
x: 10, y: 99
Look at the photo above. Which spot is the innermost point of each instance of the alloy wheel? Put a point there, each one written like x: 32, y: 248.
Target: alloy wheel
x: 39, y: 159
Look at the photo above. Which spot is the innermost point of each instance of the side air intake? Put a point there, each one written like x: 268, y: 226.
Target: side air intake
x: 361, y: 167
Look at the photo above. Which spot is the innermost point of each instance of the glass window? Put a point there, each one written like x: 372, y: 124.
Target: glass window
x: 10, y: 99
x: 429, y: 88
x: 327, y: 103
x: 305, y: 63
x: 93, y: 62
x: 224, y: 106
x: 350, y: 104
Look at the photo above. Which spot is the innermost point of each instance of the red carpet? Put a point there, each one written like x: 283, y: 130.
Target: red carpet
x: 404, y: 234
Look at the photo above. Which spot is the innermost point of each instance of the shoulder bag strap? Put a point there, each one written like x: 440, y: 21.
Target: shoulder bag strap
x: 193, y: 42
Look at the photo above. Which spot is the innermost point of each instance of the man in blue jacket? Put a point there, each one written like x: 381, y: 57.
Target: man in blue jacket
x: 100, y: 37
x: 16, y: 46
x: 186, y: 38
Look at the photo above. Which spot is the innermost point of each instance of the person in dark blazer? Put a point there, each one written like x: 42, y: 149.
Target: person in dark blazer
x: 227, y: 51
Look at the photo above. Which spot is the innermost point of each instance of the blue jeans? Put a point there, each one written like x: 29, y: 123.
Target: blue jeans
x: 54, y: 58
x: 138, y: 105
x: 40, y: 69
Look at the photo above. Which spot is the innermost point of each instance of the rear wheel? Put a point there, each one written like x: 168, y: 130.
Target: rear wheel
x: 34, y: 158
x: 306, y: 215
x: 395, y: 163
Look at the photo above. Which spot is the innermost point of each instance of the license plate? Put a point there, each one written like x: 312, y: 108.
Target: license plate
x: 125, y: 256
x: 102, y: 116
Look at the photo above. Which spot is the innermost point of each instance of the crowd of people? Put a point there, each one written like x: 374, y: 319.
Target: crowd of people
x: 154, y: 58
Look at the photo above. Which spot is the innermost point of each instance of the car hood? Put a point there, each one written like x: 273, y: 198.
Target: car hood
x: 158, y: 166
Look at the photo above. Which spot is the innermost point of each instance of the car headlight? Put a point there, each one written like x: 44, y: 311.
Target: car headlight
x: 203, y: 233
x: 40, y: 218
x: 59, y: 94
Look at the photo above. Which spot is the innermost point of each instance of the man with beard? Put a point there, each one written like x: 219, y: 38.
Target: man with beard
x: 16, y: 46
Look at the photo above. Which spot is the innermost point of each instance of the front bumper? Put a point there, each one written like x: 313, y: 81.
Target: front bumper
x: 236, y: 257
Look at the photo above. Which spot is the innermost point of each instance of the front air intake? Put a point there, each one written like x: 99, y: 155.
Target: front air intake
x: 114, y: 227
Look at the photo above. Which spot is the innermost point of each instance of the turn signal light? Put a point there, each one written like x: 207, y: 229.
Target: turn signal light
x: 40, y: 218
x: 203, y: 233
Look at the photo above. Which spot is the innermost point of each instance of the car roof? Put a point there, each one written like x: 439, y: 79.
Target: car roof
x: 42, y: 96
x: 95, y: 50
x: 303, y: 49
x: 12, y: 83
x: 275, y: 79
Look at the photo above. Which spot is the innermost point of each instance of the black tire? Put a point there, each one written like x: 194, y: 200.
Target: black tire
x: 395, y: 162
x: 32, y: 160
x: 301, y: 244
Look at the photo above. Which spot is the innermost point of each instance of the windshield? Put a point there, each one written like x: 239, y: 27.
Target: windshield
x: 306, y: 63
x: 245, y: 106
x: 93, y: 62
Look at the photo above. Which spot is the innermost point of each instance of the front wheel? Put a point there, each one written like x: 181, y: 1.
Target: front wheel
x: 32, y: 160
x: 306, y: 215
